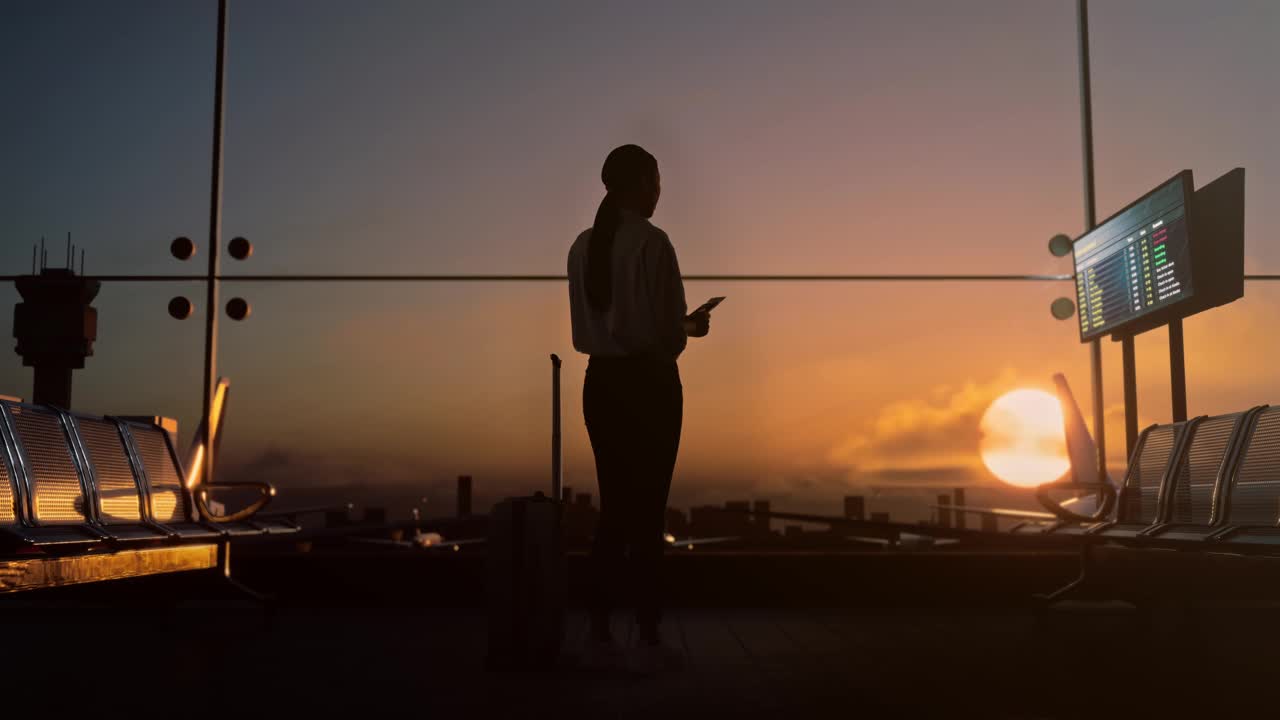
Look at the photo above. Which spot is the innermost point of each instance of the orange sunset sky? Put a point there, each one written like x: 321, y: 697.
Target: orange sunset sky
x: 385, y: 137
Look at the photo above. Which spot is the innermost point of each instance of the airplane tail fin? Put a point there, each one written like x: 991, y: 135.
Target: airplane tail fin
x: 1081, y: 449
x: 195, y: 454
x: 200, y: 486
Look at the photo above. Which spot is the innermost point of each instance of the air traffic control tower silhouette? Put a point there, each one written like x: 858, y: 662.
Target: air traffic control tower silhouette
x: 55, y: 326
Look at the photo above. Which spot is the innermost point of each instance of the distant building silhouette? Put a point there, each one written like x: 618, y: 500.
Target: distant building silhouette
x: 712, y: 521
x: 763, y: 521
x: 676, y: 522
x: 464, y: 495
x: 580, y: 518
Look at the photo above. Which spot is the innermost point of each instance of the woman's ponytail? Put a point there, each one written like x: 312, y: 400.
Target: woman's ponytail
x: 626, y: 169
x: 600, y: 254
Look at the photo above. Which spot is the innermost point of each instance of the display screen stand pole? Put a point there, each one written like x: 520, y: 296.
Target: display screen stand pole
x: 1177, y: 371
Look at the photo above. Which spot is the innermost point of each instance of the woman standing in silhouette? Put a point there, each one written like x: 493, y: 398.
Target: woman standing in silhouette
x: 628, y: 310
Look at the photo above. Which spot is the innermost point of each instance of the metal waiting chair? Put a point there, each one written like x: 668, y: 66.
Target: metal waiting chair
x: 1250, y: 502
x: 49, y: 499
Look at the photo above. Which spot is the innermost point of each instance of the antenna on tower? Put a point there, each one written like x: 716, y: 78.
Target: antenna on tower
x: 82, y: 261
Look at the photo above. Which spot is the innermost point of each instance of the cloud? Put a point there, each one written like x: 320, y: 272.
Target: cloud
x: 924, y: 437
x: 821, y: 488
x: 286, y: 469
x: 942, y: 476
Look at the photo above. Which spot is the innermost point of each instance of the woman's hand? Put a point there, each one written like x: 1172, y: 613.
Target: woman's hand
x: 697, y: 324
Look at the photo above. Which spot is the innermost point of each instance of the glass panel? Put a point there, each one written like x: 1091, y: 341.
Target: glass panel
x: 106, y: 131
x: 1188, y: 86
x: 392, y: 137
x: 1228, y: 354
x: 143, y: 363
x: 811, y: 137
x: 802, y: 394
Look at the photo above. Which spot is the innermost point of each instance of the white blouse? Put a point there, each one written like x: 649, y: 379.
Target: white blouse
x: 647, y: 314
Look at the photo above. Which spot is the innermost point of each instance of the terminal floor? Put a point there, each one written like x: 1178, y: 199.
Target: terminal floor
x: 235, y: 660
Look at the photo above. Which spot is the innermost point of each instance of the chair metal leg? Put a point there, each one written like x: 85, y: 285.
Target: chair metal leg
x: 224, y: 570
x: 1063, y: 592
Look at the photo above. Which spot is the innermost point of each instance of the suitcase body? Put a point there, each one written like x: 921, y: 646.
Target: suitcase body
x: 526, y: 582
x: 526, y: 568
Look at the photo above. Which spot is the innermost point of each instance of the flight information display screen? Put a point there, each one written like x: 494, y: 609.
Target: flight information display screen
x: 1136, y: 262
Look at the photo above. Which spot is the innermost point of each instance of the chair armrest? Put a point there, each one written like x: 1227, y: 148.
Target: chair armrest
x: 1053, y: 506
x: 1225, y: 534
x: 267, y: 490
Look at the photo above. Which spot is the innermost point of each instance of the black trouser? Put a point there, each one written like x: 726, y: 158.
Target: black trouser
x: 633, y: 408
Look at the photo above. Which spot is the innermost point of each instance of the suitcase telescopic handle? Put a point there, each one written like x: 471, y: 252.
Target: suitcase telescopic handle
x: 555, y: 427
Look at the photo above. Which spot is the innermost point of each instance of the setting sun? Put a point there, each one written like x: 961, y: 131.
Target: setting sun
x: 1023, y: 442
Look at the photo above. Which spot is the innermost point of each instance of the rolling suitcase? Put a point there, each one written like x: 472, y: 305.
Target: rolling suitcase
x: 526, y: 569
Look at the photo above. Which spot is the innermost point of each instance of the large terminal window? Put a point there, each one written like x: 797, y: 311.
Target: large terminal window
x: 1136, y: 262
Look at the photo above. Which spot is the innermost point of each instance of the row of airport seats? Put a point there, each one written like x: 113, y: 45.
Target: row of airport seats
x: 73, y: 483
x: 1200, y: 501
x: 1208, y: 479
